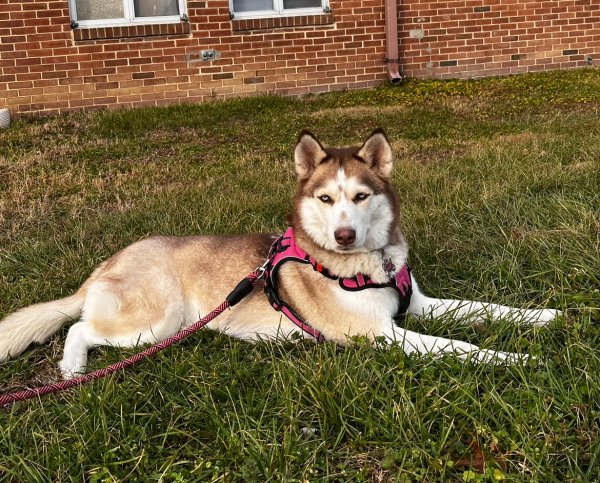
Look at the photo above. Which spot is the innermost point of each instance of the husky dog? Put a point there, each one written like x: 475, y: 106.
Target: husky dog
x: 353, y: 280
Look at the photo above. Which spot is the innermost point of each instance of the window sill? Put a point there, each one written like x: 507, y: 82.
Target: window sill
x: 148, y: 30
x: 282, y: 22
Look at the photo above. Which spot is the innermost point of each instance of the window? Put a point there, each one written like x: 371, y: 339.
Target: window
x: 276, y: 8
x: 99, y: 13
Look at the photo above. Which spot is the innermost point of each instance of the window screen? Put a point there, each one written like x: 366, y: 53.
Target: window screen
x: 155, y: 8
x: 95, y: 10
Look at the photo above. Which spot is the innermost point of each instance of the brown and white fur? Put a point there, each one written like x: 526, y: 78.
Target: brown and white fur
x: 345, y: 214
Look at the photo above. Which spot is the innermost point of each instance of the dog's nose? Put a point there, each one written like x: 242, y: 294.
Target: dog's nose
x: 345, y: 236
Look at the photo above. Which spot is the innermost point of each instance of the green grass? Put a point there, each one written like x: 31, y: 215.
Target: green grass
x: 499, y: 181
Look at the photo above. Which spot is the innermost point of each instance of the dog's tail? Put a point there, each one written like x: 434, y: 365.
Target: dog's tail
x: 36, y: 323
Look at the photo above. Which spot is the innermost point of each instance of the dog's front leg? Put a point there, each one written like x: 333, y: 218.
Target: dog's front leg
x: 429, y: 345
x: 472, y: 311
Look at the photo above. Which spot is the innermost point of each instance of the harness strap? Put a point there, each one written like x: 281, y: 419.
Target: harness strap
x: 284, y: 249
x: 300, y: 322
x: 278, y: 254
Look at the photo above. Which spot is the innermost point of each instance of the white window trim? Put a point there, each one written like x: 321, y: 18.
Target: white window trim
x: 279, y: 11
x: 129, y: 17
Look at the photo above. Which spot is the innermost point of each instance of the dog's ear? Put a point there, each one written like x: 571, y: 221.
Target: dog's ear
x: 377, y: 153
x: 308, y: 154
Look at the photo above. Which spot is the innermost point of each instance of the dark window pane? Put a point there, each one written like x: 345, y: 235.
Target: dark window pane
x: 301, y: 3
x: 252, y: 5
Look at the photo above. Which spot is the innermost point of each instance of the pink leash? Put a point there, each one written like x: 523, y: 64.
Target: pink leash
x: 239, y: 292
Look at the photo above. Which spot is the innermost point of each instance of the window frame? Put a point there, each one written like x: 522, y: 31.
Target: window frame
x: 129, y: 18
x: 279, y: 11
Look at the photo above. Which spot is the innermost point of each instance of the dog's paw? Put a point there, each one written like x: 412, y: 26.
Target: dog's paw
x: 69, y: 371
x: 541, y: 317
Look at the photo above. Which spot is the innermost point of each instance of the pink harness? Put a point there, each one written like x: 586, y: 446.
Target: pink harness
x: 284, y: 249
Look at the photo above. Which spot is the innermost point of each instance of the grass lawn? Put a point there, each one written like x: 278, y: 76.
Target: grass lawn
x: 499, y: 181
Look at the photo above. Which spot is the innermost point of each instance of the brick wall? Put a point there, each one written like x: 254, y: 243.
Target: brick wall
x: 47, y: 67
x: 475, y: 38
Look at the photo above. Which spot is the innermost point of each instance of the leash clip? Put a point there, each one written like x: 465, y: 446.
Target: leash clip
x: 260, y: 271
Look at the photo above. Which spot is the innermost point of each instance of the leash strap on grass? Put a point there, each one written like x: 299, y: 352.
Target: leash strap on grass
x: 242, y: 290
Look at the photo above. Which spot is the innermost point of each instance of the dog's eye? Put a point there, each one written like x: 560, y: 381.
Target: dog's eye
x: 361, y: 197
x: 325, y: 198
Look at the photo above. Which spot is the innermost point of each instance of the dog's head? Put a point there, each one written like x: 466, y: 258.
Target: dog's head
x: 345, y: 202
